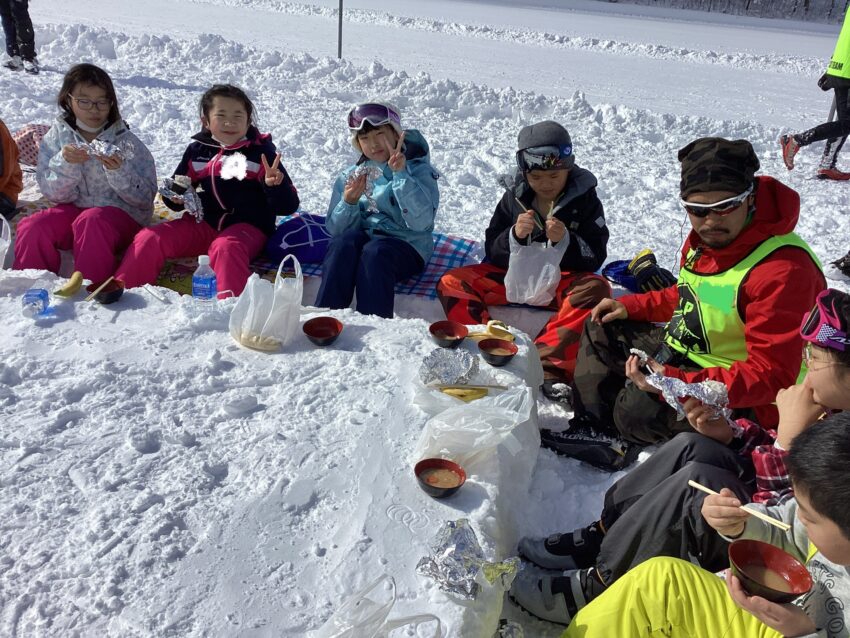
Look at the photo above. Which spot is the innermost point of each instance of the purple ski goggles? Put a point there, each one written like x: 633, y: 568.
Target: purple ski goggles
x: 374, y: 113
x: 822, y: 327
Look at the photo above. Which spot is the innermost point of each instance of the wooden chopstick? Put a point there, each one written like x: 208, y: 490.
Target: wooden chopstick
x: 459, y: 386
x: 534, y: 216
x: 99, y: 288
x: 767, y: 519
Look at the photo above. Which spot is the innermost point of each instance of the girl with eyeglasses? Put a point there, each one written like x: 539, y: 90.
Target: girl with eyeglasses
x: 100, y: 177
x: 653, y: 512
x: 381, y: 213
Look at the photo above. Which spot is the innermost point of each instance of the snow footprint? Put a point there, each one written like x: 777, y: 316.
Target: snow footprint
x: 143, y: 440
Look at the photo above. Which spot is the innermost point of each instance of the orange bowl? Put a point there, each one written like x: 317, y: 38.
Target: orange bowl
x: 439, y: 477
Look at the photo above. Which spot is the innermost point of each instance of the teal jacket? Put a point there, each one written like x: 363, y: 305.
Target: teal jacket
x: 407, y: 200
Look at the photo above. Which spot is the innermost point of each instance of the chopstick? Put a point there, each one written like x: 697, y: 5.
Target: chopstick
x: 99, y: 288
x: 460, y: 386
x: 534, y: 216
x: 767, y: 519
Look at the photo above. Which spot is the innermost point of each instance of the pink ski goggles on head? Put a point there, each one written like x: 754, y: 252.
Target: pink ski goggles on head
x: 372, y: 112
x: 822, y: 326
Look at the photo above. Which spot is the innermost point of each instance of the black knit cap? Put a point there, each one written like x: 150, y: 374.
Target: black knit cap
x: 547, y: 133
x: 717, y: 164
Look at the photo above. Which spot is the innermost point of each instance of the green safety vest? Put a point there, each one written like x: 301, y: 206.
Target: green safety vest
x: 707, y: 326
x: 839, y: 64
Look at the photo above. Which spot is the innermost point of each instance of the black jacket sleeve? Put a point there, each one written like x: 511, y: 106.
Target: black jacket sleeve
x: 496, y: 247
x: 585, y: 221
x: 182, y: 169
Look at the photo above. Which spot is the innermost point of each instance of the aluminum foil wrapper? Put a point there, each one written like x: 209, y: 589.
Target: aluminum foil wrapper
x: 372, y: 173
x: 457, y: 563
x: 448, y: 366
x: 179, y: 189
x: 102, y: 149
x: 509, y: 629
x: 710, y: 393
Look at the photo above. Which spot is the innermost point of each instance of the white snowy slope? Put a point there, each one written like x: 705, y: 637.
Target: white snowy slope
x: 157, y: 480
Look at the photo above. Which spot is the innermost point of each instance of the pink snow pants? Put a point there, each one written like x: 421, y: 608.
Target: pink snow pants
x: 96, y: 236
x: 231, y: 251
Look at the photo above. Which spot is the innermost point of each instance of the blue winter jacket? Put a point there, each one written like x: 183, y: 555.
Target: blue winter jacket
x: 131, y: 187
x: 407, y: 200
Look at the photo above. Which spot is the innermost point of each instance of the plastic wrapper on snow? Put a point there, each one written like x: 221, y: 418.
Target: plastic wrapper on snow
x: 458, y: 566
x: 469, y: 433
x: 710, y: 393
x: 448, y: 366
x: 178, y: 191
x: 372, y: 173
x: 364, y: 615
x: 509, y: 629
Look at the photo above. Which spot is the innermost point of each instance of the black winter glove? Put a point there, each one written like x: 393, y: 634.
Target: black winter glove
x: 647, y: 272
x: 843, y: 264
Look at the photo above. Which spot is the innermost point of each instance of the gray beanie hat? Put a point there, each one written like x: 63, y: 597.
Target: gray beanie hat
x: 547, y: 133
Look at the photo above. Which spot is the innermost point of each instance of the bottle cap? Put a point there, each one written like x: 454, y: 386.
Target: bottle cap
x: 203, y: 260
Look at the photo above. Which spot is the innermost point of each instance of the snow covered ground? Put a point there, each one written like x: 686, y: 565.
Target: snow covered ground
x: 153, y: 473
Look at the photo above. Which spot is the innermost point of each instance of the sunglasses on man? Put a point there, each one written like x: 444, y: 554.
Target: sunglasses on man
x: 721, y: 208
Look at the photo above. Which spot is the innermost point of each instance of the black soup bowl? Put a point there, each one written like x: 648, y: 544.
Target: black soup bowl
x: 323, y: 331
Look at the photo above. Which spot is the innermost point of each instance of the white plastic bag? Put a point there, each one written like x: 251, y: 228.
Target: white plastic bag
x: 5, y: 240
x: 470, y: 432
x: 534, y: 271
x: 364, y: 615
x: 267, y: 315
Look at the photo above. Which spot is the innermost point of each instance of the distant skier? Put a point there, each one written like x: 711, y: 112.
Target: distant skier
x: 20, y: 37
x: 837, y: 78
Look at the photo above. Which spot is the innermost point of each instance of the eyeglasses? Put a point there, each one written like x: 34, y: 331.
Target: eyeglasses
x: 86, y: 105
x: 822, y: 326
x: 545, y: 158
x: 375, y: 114
x: 809, y: 359
x: 721, y: 208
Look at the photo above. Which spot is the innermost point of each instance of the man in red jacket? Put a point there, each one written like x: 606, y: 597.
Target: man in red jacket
x: 734, y: 315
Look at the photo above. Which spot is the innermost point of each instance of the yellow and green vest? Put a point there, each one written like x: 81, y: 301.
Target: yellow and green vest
x: 707, y: 326
x: 839, y: 64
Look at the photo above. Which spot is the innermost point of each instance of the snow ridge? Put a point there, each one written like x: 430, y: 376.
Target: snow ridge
x: 806, y: 66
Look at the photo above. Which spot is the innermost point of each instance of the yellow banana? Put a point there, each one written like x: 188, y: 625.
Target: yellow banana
x: 71, y: 287
x: 495, y: 330
x: 466, y: 394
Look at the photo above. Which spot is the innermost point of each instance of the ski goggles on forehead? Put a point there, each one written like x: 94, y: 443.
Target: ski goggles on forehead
x: 721, y: 208
x: 545, y: 158
x: 375, y: 114
x: 822, y: 326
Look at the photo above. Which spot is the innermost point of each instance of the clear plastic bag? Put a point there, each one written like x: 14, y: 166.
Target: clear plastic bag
x: 469, y: 432
x: 534, y: 271
x: 266, y: 316
x: 5, y: 240
x: 364, y: 615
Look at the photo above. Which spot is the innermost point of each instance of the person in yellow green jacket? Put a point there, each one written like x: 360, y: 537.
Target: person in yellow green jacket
x: 837, y: 78
x: 11, y: 180
x: 674, y: 598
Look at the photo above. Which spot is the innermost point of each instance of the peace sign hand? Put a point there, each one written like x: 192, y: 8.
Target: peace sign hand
x: 397, y: 161
x: 274, y: 176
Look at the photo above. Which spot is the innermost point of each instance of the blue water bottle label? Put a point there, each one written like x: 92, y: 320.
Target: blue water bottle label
x: 203, y: 287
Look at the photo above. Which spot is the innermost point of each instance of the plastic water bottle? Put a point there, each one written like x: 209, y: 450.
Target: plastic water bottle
x: 204, y: 285
x: 35, y: 302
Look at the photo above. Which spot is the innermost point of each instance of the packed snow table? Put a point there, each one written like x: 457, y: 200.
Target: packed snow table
x: 161, y: 480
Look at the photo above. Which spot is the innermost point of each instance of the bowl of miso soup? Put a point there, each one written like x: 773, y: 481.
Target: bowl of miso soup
x: 767, y: 571
x: 497, y: 352
x: 439, y: 477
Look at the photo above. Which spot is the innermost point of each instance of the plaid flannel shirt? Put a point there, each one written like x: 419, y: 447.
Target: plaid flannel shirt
x: 772, y: 483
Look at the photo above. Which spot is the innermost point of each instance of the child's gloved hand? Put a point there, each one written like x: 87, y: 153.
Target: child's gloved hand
x: 647, y: 272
